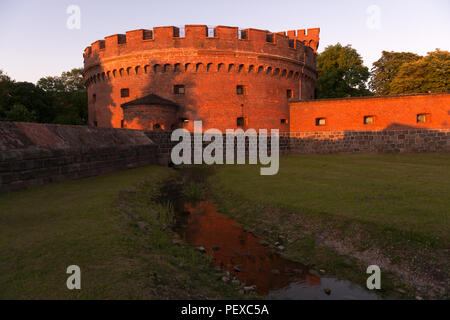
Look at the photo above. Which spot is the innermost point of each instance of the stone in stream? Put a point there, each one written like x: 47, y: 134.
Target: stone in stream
x: 201, y: 249
x: 249, y: 288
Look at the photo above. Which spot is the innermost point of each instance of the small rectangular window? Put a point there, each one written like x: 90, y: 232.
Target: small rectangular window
x: 178, y: 89
x: 125, y: 93
x: 369, y: 119
x: 321, y: 121
x: 241, y: 121
x: 289, y: 93
x: 121, y: 123
x: 94, y: 98
x: 240, y: 90
x: 95, y: 124
x: 291, y: 43
x: 284, y: 121
x: 423, y: 117
x: 243, y: 34
x: 269, y: 37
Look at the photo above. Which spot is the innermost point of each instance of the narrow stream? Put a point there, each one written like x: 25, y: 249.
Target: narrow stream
x: 245, y: 257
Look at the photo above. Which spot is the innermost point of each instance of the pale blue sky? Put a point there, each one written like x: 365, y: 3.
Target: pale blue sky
x: 35, y: 41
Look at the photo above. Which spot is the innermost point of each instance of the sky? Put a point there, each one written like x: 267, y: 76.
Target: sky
x: 35, y: 40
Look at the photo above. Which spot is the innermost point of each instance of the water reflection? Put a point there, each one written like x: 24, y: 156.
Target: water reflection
x: 244, y: 256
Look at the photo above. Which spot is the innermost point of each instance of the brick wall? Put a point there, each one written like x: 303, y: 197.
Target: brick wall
x: 383, y: 141
x: 34, y: 154
x: 389, y: 113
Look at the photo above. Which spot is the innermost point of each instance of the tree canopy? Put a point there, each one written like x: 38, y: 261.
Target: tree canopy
x: 406, y: 72
x: 60, y: 99
x: 341, y: 73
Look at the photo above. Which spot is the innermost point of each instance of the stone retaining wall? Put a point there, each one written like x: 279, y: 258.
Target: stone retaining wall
x: 33, y: 154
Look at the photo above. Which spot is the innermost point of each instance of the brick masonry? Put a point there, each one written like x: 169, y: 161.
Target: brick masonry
x: 35, y: 154
x: 324, y: 142
x: 210, y: 66
x: 387, y: 112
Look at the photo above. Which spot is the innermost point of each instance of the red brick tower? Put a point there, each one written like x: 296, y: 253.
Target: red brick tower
x: 224, y: 76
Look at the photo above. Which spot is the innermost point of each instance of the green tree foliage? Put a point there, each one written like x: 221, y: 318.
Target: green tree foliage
x: 386, y: 69
x: 19, y: 112
x: 68, y: 95
x: 53, y: 100
x: 341, y: 73
x: 406, y: 72
x: 428, y: 74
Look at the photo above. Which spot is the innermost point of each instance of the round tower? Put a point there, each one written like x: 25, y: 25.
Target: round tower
x: 224, y: 76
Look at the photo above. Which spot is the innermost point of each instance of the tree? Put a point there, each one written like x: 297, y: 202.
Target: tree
x: 19, y: 112
x: 428, y: 74
x: 53, y: 100
x: 386, y: 69
x: 341, y: 73
x: 69, y: 94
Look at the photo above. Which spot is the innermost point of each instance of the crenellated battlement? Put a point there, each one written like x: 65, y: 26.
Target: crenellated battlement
x: 309, y: 37
x: 294, y: 45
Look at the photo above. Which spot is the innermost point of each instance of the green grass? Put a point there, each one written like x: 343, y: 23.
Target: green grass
x: 393, y: 205
x: 405, y: 192
x: 94, y: 224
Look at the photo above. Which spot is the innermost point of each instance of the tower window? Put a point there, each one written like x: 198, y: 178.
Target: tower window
x: 289, y: 93
x: 94, y: 98
x: 423, y: 117
x: 125, y: 93
x: 179, y: 89
x: 241, y: 121
x: 321, y: 121
x: 241, y: 90
x: 269, y: 37
x: 369, y: 119
x: 243, y: 34
x: 284, y: 121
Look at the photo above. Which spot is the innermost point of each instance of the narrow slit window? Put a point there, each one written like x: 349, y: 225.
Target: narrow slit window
x: 125, y: 93
x: 241, y: 121
x: 179, y: 89
x: 321, y: 121
x: 284, y: 121
x: 423, y: 117
x: 240, y: 90
x: 369, y: 119
x: 289, y: 93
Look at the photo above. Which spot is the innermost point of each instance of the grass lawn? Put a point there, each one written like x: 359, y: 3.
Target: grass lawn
x: 396, y: 206
x: 122, y: 249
